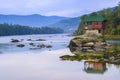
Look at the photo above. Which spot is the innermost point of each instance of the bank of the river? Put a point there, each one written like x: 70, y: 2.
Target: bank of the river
x: 94, y: 48
x: 26, y: 64
x: 112, y: 37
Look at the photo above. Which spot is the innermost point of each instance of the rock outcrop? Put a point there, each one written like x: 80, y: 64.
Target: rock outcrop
x: 93, y: 46
x: 89, y: 43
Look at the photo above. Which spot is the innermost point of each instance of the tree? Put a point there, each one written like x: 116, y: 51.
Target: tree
x: 6, y: 29
x: 83, y: 16
x: 112, y: 16
x: 94, y: 14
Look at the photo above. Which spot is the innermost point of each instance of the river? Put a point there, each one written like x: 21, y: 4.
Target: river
x: 44, y: 64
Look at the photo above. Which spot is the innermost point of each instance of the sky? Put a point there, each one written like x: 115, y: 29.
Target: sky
x: 67, y: 8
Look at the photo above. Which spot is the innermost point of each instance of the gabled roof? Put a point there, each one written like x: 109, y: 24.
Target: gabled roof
x: 93, y: 18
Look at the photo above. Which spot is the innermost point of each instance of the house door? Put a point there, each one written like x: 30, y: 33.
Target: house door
x: 99, y: 31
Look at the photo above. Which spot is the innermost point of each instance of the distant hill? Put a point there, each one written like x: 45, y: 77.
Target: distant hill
x: 34, y: 20
x: 8, y: 29
x: 68, y: 25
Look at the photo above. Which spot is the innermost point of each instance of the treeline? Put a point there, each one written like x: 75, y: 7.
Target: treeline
x: 7, y: 29
x: 112, y: 16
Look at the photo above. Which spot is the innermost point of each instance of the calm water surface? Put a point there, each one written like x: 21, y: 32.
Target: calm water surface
x: 45, y: 64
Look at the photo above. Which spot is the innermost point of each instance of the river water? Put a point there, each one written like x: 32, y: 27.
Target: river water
x: 44, y: 64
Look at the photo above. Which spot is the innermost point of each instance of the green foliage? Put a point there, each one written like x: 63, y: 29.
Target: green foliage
x: 82, y: 57
x: 6, y: 29
x: 93, y: 14
x: 83, y: 16
x: 80, y: 30
x: 112, y: 16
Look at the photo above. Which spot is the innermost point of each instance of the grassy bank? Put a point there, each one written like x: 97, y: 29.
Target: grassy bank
x: 111, y: 37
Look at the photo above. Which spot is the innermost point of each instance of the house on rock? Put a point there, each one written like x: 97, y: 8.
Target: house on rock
x: 95, y: 24
x: 94, y: 67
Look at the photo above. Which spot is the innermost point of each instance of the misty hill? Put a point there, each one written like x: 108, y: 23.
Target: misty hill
x: 68, y: 25
x: 35, y: 20
x: 30, y: 20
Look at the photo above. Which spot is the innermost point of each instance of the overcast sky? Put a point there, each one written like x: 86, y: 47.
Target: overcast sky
x: 68, y: 8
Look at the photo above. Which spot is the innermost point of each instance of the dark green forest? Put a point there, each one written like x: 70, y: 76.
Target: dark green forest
x: 112, y: 16
x: 9, y: 29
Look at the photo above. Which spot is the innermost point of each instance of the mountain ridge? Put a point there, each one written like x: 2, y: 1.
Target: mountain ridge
x: 35, y: 20
x: 69, y: 25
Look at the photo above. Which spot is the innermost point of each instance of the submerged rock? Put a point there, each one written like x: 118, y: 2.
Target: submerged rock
x: 29, y: 40
x: 34, y: 48
x: 20, y: 45
x: 48, y: 46
x: 32, y: 44
x: 14, y: 40
x: 40, y: 40
x: 41, y: 46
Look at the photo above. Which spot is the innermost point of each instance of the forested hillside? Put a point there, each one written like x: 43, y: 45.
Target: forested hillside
x: 112, y: 16
x: 6, y: 29
x: 69, y: 25
x: 36, y: 20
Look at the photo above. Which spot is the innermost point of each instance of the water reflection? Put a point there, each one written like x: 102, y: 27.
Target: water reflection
x: 39, y: 65
x: 6, y: 46
x: 94, y: 67
x: 57, y: 41
x: 110, y: 54
x: 90, y: 66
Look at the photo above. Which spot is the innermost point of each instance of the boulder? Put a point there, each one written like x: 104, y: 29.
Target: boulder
x: 29, y: 40
x: 32, y: 44
x: 48, y: 46
x: 41, y: 46
x: 14, y: 40
x: 20, y: 45
x: 89, y: 44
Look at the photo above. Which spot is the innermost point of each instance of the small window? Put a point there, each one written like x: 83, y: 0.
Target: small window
x: 89, y: 23
x: 99, y: 31
x: 97, y: 23
x: 85, y: 23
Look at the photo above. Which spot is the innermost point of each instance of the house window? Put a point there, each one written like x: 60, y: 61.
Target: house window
x: 85, y: 23
x: 99, y: 31
x: 97, y: 23
x: 89, y: 23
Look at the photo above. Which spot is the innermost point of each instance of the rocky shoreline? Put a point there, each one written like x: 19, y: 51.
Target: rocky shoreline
x: 93, y: 47
x: 34, y: 46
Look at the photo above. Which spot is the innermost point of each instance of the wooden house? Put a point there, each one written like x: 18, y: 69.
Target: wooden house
x: 94, y: 67
x: 93, y: 24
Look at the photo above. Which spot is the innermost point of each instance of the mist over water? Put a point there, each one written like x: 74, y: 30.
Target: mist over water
x: 44, y: 64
